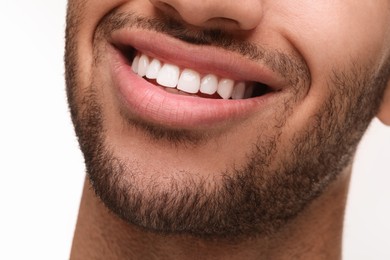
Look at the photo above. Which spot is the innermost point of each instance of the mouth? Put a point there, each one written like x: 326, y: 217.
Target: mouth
x: 163, y: 81
x: 187, y: 81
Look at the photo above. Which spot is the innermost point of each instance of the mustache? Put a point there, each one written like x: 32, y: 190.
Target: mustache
x: 291, y: 67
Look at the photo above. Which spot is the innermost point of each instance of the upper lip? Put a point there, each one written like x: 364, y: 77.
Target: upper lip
x: 204, y: 59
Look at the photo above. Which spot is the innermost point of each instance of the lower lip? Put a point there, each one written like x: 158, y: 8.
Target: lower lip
x: 153, y: 104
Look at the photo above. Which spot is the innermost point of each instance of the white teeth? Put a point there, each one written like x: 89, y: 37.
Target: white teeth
x: 168, y: 76
x: 225, y: 88
x: 189, y: 81
x: 134, y: 65
x: 143, y: 64
x: 238, y: 91
x: 153, y: 69
x: 209, y: 84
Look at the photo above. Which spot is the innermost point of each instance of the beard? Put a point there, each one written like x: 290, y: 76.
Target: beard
x: 251, y: 200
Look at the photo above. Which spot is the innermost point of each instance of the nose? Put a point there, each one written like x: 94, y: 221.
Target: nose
x: 228, y: 14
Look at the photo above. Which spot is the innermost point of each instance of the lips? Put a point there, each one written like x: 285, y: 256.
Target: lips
x: 216, y: 87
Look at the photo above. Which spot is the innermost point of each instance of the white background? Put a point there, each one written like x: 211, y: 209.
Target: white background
x: 41, y: 168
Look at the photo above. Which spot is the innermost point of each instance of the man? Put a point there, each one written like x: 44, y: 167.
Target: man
x: 221, y: 129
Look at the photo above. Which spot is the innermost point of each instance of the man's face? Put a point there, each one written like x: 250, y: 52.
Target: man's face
x: 166, y: 152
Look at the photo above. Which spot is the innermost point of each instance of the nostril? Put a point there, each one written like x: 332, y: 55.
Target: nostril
x: 232, y: 15
x: 166, y: 8
x: 224, y: 21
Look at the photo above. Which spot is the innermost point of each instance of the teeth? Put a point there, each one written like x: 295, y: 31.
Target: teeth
x: 238, y: 91
x: 168, y: 76
x: 188, y: 80
x: 248, y: 92
x: 143, y: 64
x: 225, y: 88
x: 134, y: 66
x: 209, y: 84
x: 153, y: 69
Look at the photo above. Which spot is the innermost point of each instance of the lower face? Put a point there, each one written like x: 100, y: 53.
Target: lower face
x: 178, y: 160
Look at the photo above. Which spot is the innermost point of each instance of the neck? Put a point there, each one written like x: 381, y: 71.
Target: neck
x: 315, y: 234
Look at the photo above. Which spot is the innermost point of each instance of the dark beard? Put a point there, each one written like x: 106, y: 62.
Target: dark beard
x: 248, y: 201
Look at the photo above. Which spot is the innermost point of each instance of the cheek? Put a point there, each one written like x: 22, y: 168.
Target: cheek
x: 83, y: 17
x: 331, y: 34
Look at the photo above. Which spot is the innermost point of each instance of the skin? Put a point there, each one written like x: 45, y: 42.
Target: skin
x: 294, y: 155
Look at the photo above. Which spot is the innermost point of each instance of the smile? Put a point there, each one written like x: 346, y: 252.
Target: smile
x: 189, y: 81
x: 184, y: 86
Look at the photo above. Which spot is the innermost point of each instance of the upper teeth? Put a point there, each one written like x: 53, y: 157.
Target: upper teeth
x: 188, y: 80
